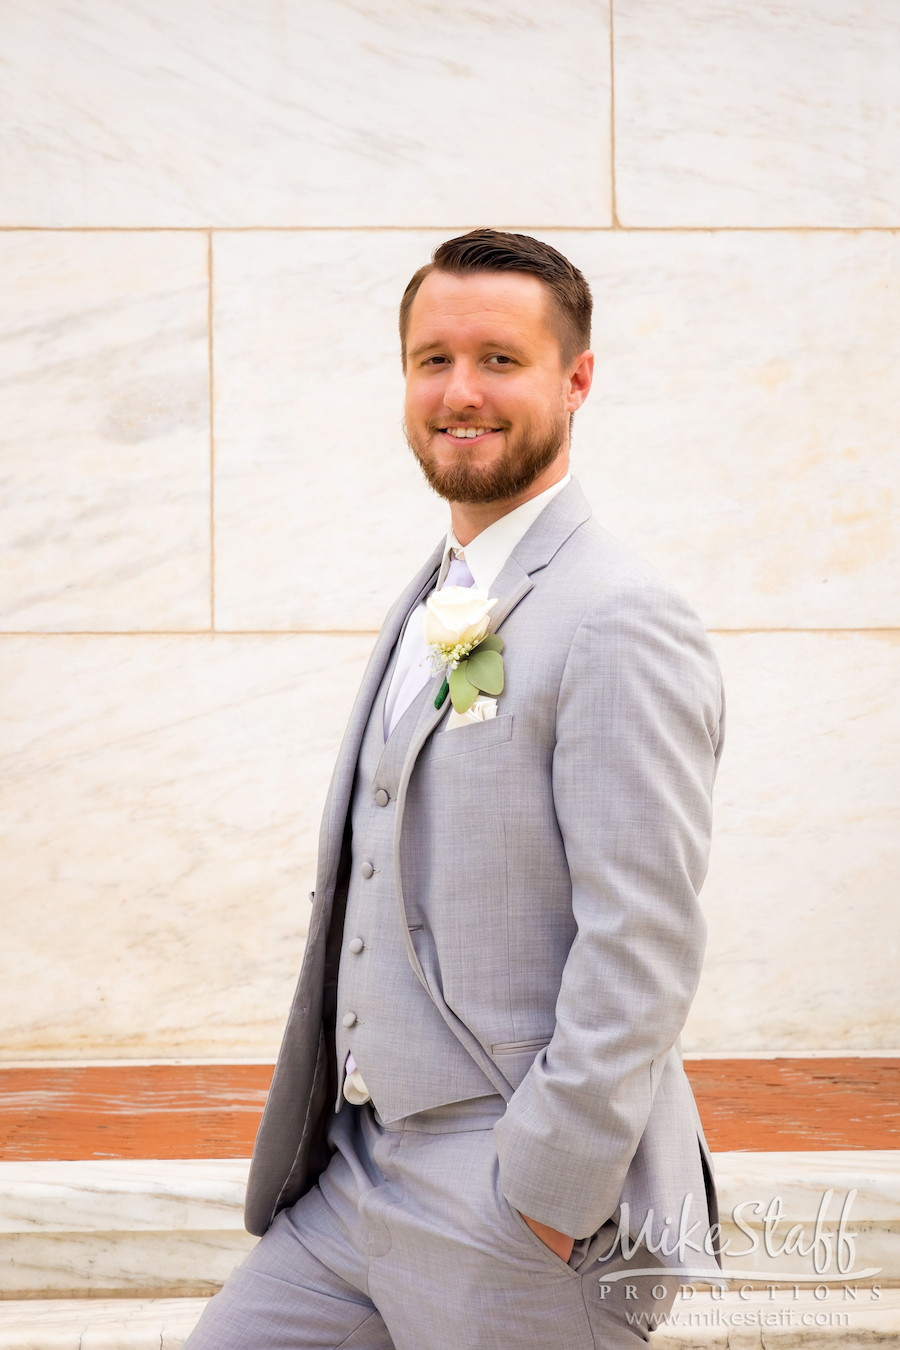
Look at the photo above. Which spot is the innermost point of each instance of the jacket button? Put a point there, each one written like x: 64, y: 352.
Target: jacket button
x: 381, y: 797
x: 348, y: 1019
x: 356, y: 945
x: 367, y: 870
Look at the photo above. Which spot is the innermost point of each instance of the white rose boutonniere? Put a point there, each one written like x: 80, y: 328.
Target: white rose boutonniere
x: 455, y: 625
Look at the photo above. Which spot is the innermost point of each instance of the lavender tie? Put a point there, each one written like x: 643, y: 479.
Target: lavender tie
x: 420, y: 672
x: 458, y: 573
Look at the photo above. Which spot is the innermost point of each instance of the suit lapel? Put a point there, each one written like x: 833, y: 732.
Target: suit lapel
x: 342, y: 781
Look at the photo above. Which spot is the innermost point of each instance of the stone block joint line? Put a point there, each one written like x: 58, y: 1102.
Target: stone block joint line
x: 613, y: 208
x: 212, y: 435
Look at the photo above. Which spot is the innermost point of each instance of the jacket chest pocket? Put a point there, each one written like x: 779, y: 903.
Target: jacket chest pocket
x: 478, y: 736
x: 515, y: 1058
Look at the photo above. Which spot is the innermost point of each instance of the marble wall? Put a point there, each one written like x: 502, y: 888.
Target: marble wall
x: 207, y: 215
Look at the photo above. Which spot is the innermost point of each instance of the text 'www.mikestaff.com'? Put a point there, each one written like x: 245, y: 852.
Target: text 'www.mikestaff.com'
x: 725, y: 1317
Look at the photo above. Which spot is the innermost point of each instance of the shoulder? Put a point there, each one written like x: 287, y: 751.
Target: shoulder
x: 600, y: 574
x: 625, y: 615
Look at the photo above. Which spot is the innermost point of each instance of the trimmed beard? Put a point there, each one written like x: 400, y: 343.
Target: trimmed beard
x: 523, y: 460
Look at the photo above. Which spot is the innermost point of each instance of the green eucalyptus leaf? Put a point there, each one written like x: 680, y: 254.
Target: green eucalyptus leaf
x: 492, y: 643
x: 462, y: 693
x: 484, y: 669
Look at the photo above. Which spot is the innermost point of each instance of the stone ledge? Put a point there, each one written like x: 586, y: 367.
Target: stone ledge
x: 122, y: 1194
x: 802, y: 1181
x: 120, y: 1228
x: 98, y: 1324
x: 149, y: 1229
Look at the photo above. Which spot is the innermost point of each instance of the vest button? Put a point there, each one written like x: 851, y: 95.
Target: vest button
x: 348, y: 1019
x: 356, y: 945
x: 367, y: 870
x: 381, y: 797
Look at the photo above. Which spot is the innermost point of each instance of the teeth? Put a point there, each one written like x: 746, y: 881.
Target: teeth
x: 468, y: 433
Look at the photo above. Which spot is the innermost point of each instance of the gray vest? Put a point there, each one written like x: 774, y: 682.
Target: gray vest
x: 409, y: 1058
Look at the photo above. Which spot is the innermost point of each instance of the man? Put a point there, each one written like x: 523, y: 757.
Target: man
x: 480, y: 1088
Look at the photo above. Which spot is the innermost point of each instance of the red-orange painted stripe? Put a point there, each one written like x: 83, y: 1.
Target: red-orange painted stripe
x: 212, y: 1111
x: 157, y: 1111
x: 786, y: 1104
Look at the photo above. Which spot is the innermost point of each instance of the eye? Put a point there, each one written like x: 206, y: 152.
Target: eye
x: 501, y: 360
x: 436, y: 361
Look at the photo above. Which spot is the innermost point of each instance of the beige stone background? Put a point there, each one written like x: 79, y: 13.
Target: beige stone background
x: 207, y: 214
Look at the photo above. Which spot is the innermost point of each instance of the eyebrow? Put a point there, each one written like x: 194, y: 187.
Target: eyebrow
x: 492, y: 343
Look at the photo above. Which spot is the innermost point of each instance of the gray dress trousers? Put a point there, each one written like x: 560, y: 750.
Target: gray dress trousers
x: 407, y: 1243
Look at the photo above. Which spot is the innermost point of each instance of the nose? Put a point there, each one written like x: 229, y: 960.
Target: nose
x: 463, y: 387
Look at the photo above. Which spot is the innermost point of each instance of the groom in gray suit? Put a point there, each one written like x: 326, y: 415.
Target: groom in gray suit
x: 479, y: 1134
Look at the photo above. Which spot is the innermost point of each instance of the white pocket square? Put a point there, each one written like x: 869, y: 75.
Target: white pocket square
x: 482, y: 710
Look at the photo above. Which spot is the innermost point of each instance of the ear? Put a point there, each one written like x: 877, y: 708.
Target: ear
x: 578, y: 383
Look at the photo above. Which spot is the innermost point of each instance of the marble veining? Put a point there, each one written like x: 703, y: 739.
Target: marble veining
x: 105, y: 1264
x: 739, y: 434
x: 160, y: 810
x: 784, y: 113
x: 309, y: 112
x: 801, y: 1178
x: 98, y: 1324
x: 864, y: 1186
x: 805, y: 855
x: 120, y: 1227
x: 122, y: 1195
x: 104, y: 432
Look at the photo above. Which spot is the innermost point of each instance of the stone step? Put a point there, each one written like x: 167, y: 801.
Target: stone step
x: 755, y: 1322
x: 809, y: 1187
x: 163, y: 1229
x: 98, y: 1324
x: 121, y: 1228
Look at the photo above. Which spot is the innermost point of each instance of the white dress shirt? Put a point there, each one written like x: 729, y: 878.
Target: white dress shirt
x: 486, y: 556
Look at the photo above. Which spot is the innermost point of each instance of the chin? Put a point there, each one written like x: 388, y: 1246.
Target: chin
x: 457, y: 458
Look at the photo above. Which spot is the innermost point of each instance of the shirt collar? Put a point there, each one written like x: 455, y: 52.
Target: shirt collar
x: 488, y: 553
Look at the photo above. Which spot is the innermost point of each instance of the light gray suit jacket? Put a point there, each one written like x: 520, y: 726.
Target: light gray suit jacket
x: 548, y: 862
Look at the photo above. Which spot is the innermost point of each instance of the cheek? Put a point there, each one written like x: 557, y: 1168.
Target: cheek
x: 533, y: 392
x: 551, y: 404
x: 531, y: 406
x: 420, y: 401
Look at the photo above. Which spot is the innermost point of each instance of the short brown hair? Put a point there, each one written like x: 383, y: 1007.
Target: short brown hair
x: 495, y: 251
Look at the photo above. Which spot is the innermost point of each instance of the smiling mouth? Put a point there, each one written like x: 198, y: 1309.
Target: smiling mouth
x: 467, y: 433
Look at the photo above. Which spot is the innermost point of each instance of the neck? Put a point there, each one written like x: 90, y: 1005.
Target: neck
x: 470, y: 518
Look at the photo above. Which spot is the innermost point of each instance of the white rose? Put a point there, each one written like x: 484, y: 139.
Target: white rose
x: 456, y: 615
